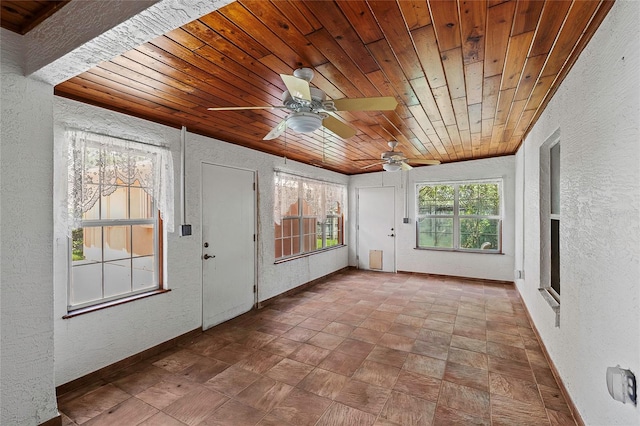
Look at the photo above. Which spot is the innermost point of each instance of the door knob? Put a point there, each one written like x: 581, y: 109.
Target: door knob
x: 206, y: 256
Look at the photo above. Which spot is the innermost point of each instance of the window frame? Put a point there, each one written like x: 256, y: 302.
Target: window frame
x: 155, y: 220
x: 302, y: 217
x: 456, y: 216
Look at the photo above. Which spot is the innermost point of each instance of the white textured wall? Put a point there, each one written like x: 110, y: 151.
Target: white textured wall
x: 475, y: 265
x: 597, y: 110
x: 88, y: 342
x: 26, y: 284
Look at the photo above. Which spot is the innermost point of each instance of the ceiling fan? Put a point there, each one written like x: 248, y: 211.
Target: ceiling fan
x: 393, y: 160
x: 310, y: 108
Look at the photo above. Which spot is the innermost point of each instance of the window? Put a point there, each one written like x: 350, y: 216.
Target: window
x: 554, y: 218
x: 116, y: 226
x: 550, y: 228
x: 463, y: 216
x: 308, y: 215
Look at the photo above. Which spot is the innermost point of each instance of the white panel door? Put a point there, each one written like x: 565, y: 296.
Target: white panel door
x: 376, y: 228
x: 228, y: 246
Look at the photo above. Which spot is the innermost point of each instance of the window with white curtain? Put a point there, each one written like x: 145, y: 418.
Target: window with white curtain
x: 308, y: 215
x: 120, y: 198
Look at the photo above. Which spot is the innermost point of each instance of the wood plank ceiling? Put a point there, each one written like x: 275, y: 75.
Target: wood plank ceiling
x: 470, y: 77
x: 23, y: 16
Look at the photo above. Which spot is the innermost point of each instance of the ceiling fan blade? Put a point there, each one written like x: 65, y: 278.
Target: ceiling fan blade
x: 421, y: 161
x: 372, y: 165
x: 276, y: 131
x: 404, y: 166
x: 246, y: 107
x: 384, y: 103
x: 338, y: 127
x: 297, y: 87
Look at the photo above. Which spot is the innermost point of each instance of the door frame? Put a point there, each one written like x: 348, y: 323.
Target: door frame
x: 395, y: 245
x: 256, y: 222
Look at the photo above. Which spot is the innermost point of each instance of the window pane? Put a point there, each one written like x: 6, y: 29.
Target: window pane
x: 114, y: 206
x: 87, y: 283
x: 435, y: 200
x: 555, y: 255
x: 143, y: 270
x: 479, y: 233
x: 86, y: 245
x: 142, y: 240
x: 434, y: 232
x: 117, y: 277
x: 479, y: 199
x: 554, y: 172
x: 141, y: 204
x: 117, y: 242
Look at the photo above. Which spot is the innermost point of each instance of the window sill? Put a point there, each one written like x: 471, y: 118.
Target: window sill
x: 555, y: 305
x: 310, y: 253
x: 105, y: 305
x: 459, y: 250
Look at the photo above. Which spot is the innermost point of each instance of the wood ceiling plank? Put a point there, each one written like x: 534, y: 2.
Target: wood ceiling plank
x: 473, y: 21
x: 527, y: 16
x: 467, y: 148
x: 475, y: 118
x: 454, y: 71
x: 578, y: 18
x: 474, y: 79
x: 424, y: 39
x: 254, y: 28
x: 116, y: 101
x: 235, y: 35
x: 540, y: 91
x: 499, y: 21
x: 505, y: 99
x: 183, y: 59
x: 441, y: 95
x: 332, y: 74
x: 461, y: 112
x: 305, y: 23
x: 358, y: 14
x: 391, y: 21
x: 530, y: 74
x: 103, y: 78
x: 383, y: 54
x: 490, y: 97
x: 342, y: 33
x: 285, y: 30
x: 446, y: 23
x: 343, y: 62
x: 416, y: 13
x: 425, y: 96
x: 185, y: 39
x: 551, y: 20
x: 515, y: 60
x: 517, y: 107
x: 174, y: 68
x: 126, y: 77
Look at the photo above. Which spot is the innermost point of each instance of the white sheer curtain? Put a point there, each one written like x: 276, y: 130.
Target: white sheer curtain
x: 90, y: 176
x: 319, y: 198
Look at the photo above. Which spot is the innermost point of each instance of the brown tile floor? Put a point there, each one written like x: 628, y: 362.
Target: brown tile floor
x: 360, y: 348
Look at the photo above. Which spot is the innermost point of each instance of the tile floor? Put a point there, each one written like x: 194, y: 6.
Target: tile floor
x: 360, y: 348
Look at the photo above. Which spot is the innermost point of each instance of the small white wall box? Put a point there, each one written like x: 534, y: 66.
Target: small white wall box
x: 622, y: 385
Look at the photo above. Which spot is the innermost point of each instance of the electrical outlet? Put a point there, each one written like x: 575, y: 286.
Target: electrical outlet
x: 405, y: 220
x: 185, y: 230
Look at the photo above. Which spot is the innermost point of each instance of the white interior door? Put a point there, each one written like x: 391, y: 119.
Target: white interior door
x: 376, y: 229
x: 228, y: 246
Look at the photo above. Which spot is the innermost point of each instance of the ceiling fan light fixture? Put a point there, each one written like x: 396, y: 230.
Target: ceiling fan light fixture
x: 304, y: 122
x: 391, y: 167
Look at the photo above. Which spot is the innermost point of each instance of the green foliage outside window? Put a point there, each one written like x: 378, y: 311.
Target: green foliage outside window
x: 459, y: 216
